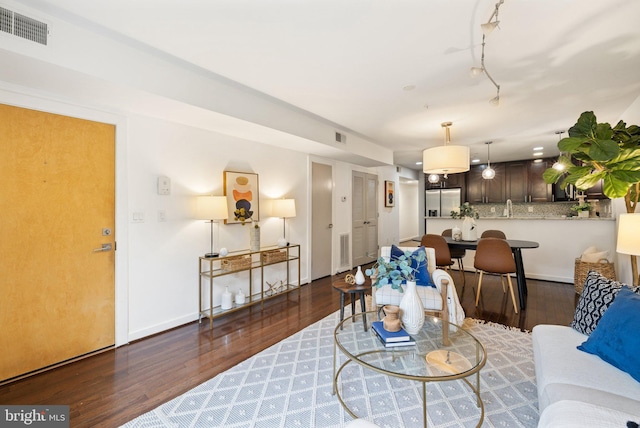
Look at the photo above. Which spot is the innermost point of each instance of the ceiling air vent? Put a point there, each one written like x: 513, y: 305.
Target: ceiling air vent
x: 23, y: 26
x: 341, y: 138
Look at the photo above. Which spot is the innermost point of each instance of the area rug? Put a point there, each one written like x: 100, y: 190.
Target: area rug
x: 290, y: 385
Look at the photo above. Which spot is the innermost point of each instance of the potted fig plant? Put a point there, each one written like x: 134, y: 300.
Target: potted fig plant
x: 597, y: 151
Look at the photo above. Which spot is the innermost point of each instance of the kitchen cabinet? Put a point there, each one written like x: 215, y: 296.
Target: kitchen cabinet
x: 539, y: 190
x: 480, y: 190
x: 517, y: 180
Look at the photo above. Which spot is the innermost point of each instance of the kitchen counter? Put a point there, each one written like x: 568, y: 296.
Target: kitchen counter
x: 561, y: 239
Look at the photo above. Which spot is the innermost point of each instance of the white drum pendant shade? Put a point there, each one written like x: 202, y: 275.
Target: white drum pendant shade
x: 445, y: 159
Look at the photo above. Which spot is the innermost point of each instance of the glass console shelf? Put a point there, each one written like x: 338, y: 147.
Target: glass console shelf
x: 212, y: 269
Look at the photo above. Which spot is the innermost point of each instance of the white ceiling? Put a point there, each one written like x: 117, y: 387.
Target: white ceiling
x: 349, y: 61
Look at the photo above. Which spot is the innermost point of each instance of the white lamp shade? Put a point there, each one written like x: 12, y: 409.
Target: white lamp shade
x: 285, y: 208
x: 212, y: 208
x: 629, y: 234
x: 445, y: 159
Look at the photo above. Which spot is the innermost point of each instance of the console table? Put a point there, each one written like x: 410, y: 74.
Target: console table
x: 211, y: 269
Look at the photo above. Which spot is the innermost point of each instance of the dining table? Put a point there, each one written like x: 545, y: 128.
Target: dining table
x: 517, y: 246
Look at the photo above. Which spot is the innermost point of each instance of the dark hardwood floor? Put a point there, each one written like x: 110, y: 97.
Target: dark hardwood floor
x: 111, y: 388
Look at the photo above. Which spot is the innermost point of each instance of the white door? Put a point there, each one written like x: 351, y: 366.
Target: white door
x: 364, y: 226
x: 321, y: 219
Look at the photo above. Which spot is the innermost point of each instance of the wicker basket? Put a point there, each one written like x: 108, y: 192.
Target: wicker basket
x: 273, y: 256
x: 236, y: 263
x: 603, y: 267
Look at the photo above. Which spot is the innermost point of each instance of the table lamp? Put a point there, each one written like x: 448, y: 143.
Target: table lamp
x: 285, y: 208
x: 213, y: 209
x: 629, y: 240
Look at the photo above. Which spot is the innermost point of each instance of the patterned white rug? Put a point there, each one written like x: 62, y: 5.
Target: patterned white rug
x: 290, y: 384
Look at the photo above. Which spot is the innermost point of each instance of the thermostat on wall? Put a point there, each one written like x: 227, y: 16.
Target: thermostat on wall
x: 164, y: 186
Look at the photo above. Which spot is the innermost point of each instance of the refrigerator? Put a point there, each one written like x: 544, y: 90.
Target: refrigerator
x: 440, y: 202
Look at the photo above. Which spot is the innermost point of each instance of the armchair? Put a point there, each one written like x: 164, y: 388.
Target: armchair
x: 443, y: 299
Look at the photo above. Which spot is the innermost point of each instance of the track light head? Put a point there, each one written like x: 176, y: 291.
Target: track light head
x: 476, y: 71
x: 489, y: 27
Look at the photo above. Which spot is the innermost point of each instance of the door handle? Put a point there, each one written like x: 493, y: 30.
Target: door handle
x: 104, y: 248
x: 330, y: 225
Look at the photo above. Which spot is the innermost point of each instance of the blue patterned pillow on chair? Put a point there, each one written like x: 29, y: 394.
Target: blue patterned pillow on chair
x: 420, y: 269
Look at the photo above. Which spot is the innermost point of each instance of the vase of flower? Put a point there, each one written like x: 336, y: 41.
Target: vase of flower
x: 411, y: 309
x: 469, y: 215
x: 469, y: 230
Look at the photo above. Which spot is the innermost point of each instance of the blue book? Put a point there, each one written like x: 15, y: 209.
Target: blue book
x: 388, y: 336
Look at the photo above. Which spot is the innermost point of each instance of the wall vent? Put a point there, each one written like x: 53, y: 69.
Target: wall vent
x: 341, y: 138
x: 344, y: 250
x: 22, y: 26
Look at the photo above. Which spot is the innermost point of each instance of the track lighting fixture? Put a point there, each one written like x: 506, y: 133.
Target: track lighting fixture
x: 487, y: 28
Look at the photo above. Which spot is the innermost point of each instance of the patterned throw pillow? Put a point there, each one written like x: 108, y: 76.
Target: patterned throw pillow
x: 597, y: 295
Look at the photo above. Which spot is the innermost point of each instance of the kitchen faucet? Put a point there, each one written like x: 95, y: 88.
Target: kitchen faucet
x: 509, y: 210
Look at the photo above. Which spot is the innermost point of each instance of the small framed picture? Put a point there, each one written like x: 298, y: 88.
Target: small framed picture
x: 243, y: 196
x: 389, y: 194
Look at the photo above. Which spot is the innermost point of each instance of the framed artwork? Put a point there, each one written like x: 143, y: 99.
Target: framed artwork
x: 243, y: 196
x: 389, y: 194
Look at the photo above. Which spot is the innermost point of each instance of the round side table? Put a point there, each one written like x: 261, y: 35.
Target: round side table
x: 354, y: 291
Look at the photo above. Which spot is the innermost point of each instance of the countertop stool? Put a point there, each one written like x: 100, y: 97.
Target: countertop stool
x: 352, y: 289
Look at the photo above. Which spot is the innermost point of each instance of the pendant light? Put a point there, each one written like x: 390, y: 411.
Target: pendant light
x: 559, y: 166
x: 488, y: 173
x: 446, y: 159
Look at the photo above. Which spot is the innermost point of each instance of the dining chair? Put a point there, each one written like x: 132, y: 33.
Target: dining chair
x: 440, y: 246
x: 493, y: 233
x: 456, y: 254
x: 494, y: 255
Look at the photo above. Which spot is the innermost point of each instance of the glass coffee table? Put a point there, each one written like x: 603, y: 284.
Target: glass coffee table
x: 426, y: 361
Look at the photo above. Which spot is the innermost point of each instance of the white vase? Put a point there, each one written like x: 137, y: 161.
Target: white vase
x: 411, y: 309
x: 254, y: 239
x: 240, y: 298
x: 227, y: 301
x: 359, y: 276
x: 469, y: 229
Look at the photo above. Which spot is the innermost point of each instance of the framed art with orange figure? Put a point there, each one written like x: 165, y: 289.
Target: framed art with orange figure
x: 243, y: 196
x: 389, y: 194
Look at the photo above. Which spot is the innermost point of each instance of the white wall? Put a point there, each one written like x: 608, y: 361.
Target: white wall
x: 408, y: 210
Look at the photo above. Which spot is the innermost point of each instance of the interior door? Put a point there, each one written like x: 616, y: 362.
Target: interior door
x: 57, y: 260
x: 364, y: 213
x: 321, y: 220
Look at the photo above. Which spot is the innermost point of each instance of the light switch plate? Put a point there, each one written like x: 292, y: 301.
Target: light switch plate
x: 164, y: 185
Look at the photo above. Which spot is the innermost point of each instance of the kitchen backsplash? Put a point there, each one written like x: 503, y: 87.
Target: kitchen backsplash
x: 599, y: 208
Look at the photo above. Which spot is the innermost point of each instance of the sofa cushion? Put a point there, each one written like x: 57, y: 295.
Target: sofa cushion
x: 616, y: 339
x: 565, y: 373
x: 597, y: 295
x: 575, y: 414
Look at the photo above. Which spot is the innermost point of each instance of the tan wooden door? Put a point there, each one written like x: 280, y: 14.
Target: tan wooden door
x: 57, y: 194
x: 321, y: 219
x: 364, y: 211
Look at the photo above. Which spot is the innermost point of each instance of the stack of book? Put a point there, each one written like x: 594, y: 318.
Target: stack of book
x: 391, y: 339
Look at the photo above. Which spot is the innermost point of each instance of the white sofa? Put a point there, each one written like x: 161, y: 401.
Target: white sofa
x: 577, y: 389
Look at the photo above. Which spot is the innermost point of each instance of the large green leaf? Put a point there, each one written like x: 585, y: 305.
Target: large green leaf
x: 589, y: 180
x: 585, y: 127
x: 570, y: 144
x: 615, y: 188
x: 603, y: 150
x: 551, y: 175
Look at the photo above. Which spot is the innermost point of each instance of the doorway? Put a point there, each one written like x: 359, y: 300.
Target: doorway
x: 364, y: 227
x: 57, y: 252
x: 321, y: 220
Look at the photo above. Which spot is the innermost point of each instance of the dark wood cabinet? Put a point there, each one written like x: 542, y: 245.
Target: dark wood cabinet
x: 517, y: 180
x: 539, y: 190
x: 480, y: 190
x: 596, y: 192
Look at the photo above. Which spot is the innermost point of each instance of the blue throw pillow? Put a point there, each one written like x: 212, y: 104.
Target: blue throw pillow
x: 616, y: 339
x: 422, y: 273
